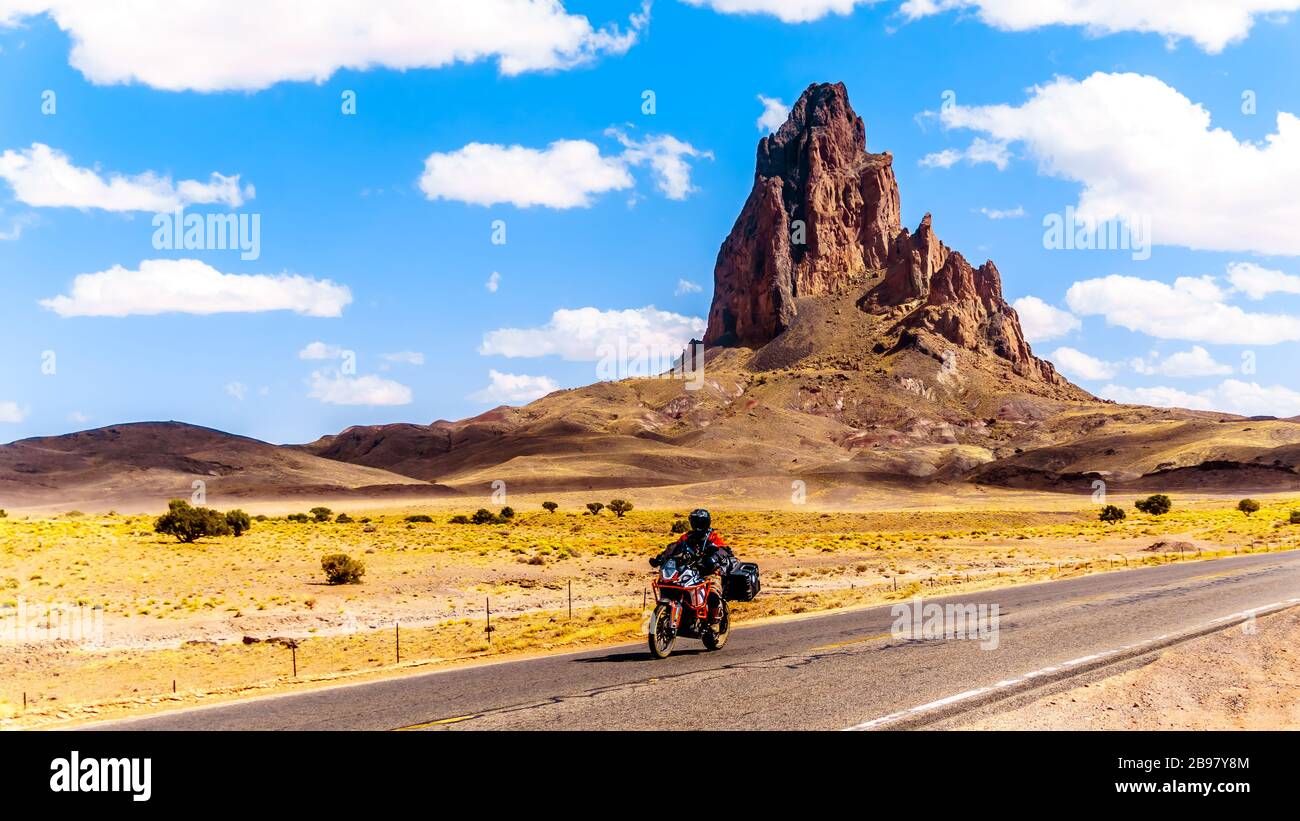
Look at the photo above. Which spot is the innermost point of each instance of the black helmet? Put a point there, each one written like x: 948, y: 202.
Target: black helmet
x: 700, y: 519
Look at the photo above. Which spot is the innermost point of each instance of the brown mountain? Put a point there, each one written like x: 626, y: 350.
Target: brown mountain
x: 147, y: 463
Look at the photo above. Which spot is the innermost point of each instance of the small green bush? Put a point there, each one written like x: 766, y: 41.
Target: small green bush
x: 619, y: 506
x: 340, y: 568
x: 1156, y: 505
x: 321, y: 514
x: 189, y: 524
x: 507, y: 512
x: 1110, y: 513
x: 419, y: 517
x: 344, y: 519
x: 680, y: 526
x: 298, y: 517
x: 460, y: 519
x: 483, y: 516
x: 549, y: 507
x: 238, y: 522
x: 595, y: 508
x: 1248, y: 506
x: 1295, y: 517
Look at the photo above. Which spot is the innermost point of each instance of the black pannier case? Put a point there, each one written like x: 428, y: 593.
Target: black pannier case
x: 741, y: 583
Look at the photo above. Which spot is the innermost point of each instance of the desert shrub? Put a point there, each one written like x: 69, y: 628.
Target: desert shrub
x: 189, y: 524
x: 238, y: 522
x: 1248, y: 506
x: 507, y: 512
x: 261, y: 517
x: 460, y: 519
x: 340, y: 568
x: 1110, y: 513
x: 483, y: 516
x: 344, y: 519
x: 321, y: 514
x: 1156, y: 505
x: 680, y: 526
x: 1295, y: 517
x: 619, y: 506
x: 595, y: 508
x: 3, y: 514
x: 298, y: 517
x: 549, y: 507
x: 419, y: 517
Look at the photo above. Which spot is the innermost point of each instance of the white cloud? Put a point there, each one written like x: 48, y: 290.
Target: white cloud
x: 1258, y: 282
x: 1002, y: 214
x: 685, y: 286
x: 404, y: 357
x: 10, y: 412
x: 211, y: 46
x: 979, y: 151
x: 787, y: 11
x: 238, y: 390
x: 335, y: 388
x: 514, y: 388
x: 189, y: 286
x: 78, y: 418
x: 1141, y: 150
x: 1230, y: 396
x: 774, y: 114
x: 1041, y: 321
x: 565, y: 174
x: 1192, y: 309
x: 1212, y: 24
x: 1077, y: 364
x: 1194, y: 362
x: 493, y: 283
x: 45, y: 177
x: 580, y: 334
x: 320, y: 350
x: 667, y: 157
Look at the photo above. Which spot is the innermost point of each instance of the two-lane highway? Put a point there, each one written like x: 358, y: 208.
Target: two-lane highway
x: 835, y: 671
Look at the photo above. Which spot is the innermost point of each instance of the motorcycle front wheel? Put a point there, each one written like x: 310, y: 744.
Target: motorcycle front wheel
x: 661, y: 636
x: 715, y: 637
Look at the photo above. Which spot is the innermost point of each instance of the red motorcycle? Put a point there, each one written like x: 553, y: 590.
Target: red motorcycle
x: 684, y: 598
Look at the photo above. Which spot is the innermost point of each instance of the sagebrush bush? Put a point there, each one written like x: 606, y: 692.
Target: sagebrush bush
x: 1110, y: 513
x: 1156, y: 505
x: 238, y: 521
x: 1248, y: 506
x: 340, y: 568
x: 189, y: 524
x: 419, y: 517
x: 549, y: 507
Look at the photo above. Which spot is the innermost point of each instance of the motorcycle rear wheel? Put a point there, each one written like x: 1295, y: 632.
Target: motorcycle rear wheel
x: 715, y: 637
x: 661, y: 636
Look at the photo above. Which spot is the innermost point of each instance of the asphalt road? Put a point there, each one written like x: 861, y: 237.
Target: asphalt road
x: 838, y: 671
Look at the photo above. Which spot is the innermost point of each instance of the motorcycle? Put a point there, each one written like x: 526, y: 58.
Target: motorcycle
x: 683, y: 599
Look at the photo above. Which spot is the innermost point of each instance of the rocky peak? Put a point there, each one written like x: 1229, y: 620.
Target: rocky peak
x: 822, y: 218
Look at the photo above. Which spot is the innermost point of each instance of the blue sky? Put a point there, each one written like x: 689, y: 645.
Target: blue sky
x: 375, y: 243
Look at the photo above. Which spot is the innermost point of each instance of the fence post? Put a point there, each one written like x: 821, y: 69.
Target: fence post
x: 397, y: 630
x: 488, y: 629
x: 570, y: 599
x: 293, y: 648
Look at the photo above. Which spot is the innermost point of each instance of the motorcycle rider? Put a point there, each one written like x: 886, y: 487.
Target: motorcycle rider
x: 707, y: 544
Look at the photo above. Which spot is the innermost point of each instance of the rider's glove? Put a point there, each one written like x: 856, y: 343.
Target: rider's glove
x: 654, y: 561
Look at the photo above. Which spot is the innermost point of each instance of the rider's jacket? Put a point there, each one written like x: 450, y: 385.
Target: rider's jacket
x: 715, y: 553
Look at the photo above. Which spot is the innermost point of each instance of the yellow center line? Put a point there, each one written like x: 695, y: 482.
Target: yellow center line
x: 451, y: 720
x: 837, y: 644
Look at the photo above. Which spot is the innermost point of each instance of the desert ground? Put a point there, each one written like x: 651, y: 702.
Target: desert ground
x: 216, y: 619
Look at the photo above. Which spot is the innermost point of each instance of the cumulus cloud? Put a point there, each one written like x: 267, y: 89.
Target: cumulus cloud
x: 1192, y: 309
x: 404, y: 357
x: 585, y: 334
x: 774, y: 114
x: 514, y: 388
x: 685, y: 286
x: 565, y: 174
x: 45, y: 177
x: 1211, y: 24
x: 10, y: 412
x: 668, y: 158
x: 979, y: 151
x: 1041, y: 321
x: 238, y: 390
x: 1077, y: 364
x: 1258, y: 282
x: 1142, y: 150
x: 189, y: 286
x: 335, y: 388
x: 493, y: 283
x: 320, y: 350
x: 1230, y: 396
x: 1002, y: 214
x: 211, y: 46
x: 787, y: 11
x: 1195, y: 362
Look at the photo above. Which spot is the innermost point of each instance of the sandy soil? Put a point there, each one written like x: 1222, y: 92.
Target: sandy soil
x: 1245, y: 677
